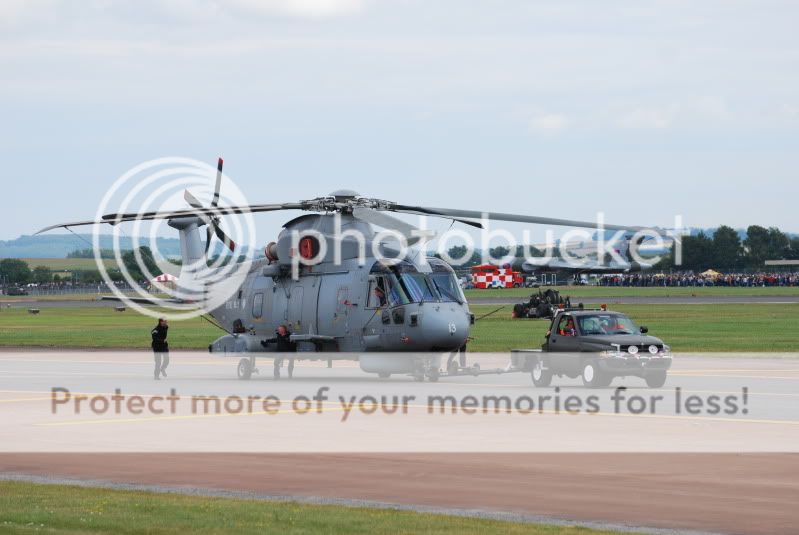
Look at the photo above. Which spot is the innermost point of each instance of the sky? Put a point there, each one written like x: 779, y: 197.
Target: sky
x: 640, y: 109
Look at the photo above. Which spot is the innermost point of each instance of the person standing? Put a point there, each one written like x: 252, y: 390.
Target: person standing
x: 160, y: 348
x: 284, y: 345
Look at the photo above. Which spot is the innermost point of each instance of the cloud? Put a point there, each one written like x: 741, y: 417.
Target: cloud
x: 297, y: 8
x: 649, y: 117
x: 549, y: 122
x: 94, y: 13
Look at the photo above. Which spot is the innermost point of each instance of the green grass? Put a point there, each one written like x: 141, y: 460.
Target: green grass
x: 54, y: 297
x: 68, y: 264
x: 712, y: 327
x: 96, y: 327
x: 29, y: 508
x: 621, y: 291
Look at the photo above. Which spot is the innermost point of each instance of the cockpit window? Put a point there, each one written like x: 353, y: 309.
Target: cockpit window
x: 606, y: 324
x: 448, y: 287
x: 386, y: 291
x: 409, y: 285
x: 419, y: 287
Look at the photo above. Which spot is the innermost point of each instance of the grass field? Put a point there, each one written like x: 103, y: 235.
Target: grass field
x: 725, y: 327
x: 29, y: 508
x: 621, y: 291
x: 68, y: 264
x: 54, y: 297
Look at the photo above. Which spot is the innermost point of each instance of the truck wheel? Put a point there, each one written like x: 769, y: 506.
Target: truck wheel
x: 244, y: 370
x: 656, y: 379
x: 541, y: 377
x: 593, y: 376
x: 384, y: 375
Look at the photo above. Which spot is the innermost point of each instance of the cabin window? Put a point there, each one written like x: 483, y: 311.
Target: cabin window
x: 376, y: 294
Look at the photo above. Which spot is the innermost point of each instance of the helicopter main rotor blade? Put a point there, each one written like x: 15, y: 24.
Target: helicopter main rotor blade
x: 411, y: 233
x: 113, y: 219
x: 67, y: 225
x: 215, y: 211
x: 418, y: 210
x: 498, y: 216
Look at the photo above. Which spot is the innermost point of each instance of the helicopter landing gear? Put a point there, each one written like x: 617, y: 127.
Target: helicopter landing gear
x: 246, y: 368
x: 424, y: 369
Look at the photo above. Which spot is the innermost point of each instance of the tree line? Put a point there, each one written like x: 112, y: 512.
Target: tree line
x: 16, y: 271
x: 725, y: 250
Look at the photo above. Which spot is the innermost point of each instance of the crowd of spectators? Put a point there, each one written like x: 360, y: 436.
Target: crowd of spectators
x: 689, y: 278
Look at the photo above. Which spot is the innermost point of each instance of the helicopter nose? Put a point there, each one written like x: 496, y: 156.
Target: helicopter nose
x: 446, y: 330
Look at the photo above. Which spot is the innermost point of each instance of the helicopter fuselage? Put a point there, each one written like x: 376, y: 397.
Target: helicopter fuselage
x: 357, y: 305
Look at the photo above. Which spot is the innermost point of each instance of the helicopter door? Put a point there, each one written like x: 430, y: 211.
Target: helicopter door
x: 332, y: 309
x: 295, y: 309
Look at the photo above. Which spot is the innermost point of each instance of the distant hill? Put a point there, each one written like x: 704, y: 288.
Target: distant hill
x: 708, y: 232
x: 58, y: 245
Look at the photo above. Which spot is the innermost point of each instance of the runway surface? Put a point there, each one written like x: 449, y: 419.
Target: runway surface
x: 738, y: 491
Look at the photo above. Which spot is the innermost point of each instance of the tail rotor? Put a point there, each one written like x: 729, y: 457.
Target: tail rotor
x: 212, y: 221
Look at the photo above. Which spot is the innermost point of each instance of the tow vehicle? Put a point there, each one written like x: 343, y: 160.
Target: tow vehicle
x: 543, y: 304
x: 597, y: 345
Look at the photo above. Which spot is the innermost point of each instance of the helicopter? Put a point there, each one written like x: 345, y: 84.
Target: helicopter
x: 340, y: 301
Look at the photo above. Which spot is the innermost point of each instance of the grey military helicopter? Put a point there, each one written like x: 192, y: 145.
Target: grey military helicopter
x: 353, y: 307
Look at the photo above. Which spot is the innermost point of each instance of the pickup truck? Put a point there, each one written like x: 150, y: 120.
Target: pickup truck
x: 597, y: 345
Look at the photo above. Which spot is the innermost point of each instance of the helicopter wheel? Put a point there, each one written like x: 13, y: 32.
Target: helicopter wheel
x: 452, y: 366
x: 244, y: 369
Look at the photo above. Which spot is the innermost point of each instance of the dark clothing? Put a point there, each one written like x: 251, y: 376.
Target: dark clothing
x: 284, y: 343
x: 159, y: 343
x: 160, y: 350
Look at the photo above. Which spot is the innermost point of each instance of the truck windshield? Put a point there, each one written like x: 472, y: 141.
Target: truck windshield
x: 606, y: 324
